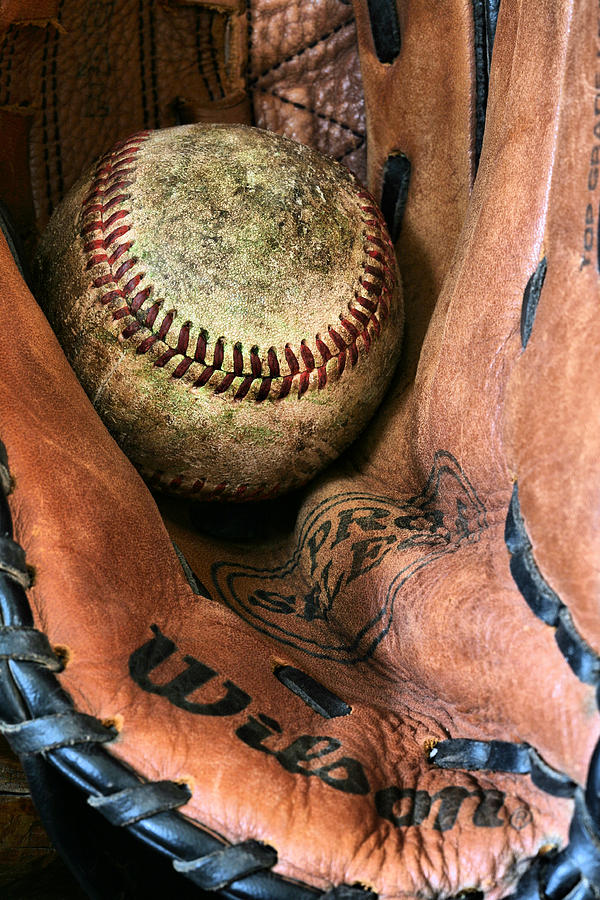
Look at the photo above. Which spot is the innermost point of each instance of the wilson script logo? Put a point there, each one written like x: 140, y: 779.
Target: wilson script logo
x: 340, y: 551
x: 319, y: 756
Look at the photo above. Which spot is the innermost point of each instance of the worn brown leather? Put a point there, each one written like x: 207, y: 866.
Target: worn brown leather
x: 91, y: 73
x: 392, y: 586
x: 305, y: 78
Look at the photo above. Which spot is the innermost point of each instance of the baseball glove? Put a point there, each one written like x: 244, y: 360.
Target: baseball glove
x: 387, y: 685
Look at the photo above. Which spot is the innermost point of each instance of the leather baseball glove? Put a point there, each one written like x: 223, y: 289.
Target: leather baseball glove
x: 387, y: 685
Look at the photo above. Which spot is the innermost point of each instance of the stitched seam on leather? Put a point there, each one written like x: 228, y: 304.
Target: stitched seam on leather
x: 298, y: 53
x: 302, y: 106
x: 206, y: 54
x: 7, y: 52
x: 107, y: 242
x: 176, y: 481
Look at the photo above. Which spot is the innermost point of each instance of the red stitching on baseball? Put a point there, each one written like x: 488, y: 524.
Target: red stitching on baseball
x: 112, y: 295
x: 165, y: 358
x: 106, y: 222
x: 182, y: 367
x: 286, y: 386
x: 165, y: 325
x: 291, y: 360
x: 132, y: 284
x: 140, y: 298
x: 238, y: 360
x: 151, y: 316
x: 146, y: 344
x: 218, y: 354
x: 371, y: 305
x: 273, y: 363
x: 121, y: 249
x: 227, y: 381
x: 200, y: 354
x: 307, y: 357
x: 337, y: 339
x: 130, y: 330
x: 244, y: 387
x: 125, y: 267
x: 351, y: 328
x: 117, y: 233
x: 360, y: 316
x: 264, y: 389
x: 304, y: 382
x: 323, y: 349
x: 205, y: 377
x: 255, y: 363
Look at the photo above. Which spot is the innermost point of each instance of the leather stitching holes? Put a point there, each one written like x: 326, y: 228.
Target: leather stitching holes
x: 385, y: 29
x: 531, y: 297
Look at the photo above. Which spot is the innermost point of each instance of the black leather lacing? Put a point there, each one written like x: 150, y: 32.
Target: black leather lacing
x: 222, y: 868
x: 385, y: 29
x: 66, y: 729
x: 37, y: 717
x: 346, y: 892
x: 394, y: 192
x: 573, y: 873
x: 531, y: 298
x: 543, y: 600
x: 312, y: 692
x: 502, y: 756
x: 485, y: 16
x: 28, y: 645
x: 136, y: 803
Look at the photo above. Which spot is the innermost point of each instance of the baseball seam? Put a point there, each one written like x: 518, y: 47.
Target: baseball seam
x: 107, y: 232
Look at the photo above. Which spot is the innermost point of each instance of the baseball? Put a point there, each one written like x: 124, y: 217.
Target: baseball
x: 229, y: 300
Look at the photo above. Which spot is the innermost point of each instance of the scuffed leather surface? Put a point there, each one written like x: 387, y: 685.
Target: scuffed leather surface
x: 551, y: 393
x: 462, y: 655
x: 305, y: 78
x: 89, y: 74
x: 434, y: 128
x: 102, y: 70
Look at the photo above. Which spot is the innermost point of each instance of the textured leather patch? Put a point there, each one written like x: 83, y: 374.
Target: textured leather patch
x: 105, y: 68
x: 304, y: 76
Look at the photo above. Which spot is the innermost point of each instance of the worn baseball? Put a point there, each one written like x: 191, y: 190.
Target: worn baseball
x: 229, y: 300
